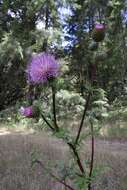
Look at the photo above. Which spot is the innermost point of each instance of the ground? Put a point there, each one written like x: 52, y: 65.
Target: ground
x: 16, y: 172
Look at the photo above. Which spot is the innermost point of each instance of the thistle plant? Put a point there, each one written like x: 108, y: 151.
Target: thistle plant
x: 43, y: 69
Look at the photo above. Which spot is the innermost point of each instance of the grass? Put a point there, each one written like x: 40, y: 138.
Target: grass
x: 111, y: 157
x: 114, y: 130
x: 15, y: 162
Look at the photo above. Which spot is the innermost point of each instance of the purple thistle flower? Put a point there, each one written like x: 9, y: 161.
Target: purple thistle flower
x: 42, y: 67
x: 99, y: 27
x: 27, y: 112
x: 98, y: 33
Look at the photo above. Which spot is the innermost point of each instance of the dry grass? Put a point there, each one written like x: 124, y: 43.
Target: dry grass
x: 15, y: 158
x: 111, y: 157
x: 15, y: 162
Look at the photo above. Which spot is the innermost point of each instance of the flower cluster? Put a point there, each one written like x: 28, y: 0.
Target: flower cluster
x: 42, y: 68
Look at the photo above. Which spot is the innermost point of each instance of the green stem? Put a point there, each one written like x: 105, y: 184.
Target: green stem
x: 46, y: 121
x: 77, y: 157
x: 54, y: 108
x: 92, y: 156
x: 83, y: 118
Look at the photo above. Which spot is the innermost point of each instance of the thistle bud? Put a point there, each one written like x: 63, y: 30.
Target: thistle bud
x: 30, y: 111
x: 98, y: 33
x: 26, y: 111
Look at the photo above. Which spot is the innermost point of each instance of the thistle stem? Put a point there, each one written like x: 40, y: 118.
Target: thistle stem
x: 54, y: 108
x: 92, y: 156
x: 83, y: 118
x: 77, y: 157
x: 46, y: 121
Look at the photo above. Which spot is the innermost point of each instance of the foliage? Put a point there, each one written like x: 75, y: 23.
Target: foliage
x: 100, y: 104
x: 112, y: 57
x: 73, y: 102
x: 20, y: 36
x: 92, y: 82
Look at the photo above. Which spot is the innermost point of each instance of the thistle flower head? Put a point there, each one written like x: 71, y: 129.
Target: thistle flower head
x: 99, y: 27
x: 42, y: 67
x: 26, y: 111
